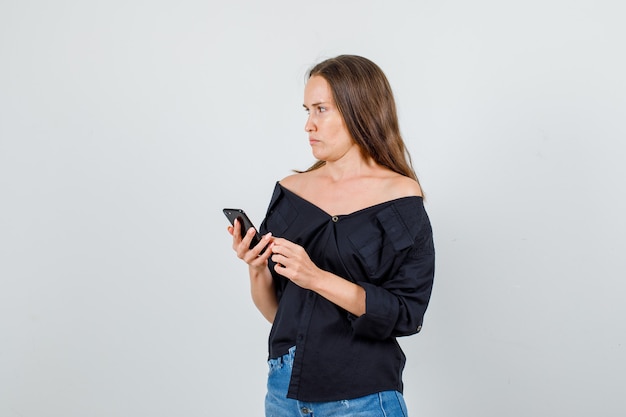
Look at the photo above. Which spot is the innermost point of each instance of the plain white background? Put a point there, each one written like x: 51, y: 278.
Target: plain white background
x: 125, y: 127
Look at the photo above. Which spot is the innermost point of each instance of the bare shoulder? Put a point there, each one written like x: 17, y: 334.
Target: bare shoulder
x: 296, y: 182
x: 290, y: 180
x: 400, y: 186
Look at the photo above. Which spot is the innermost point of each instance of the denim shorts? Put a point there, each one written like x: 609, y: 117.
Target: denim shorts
x: 381, y: 404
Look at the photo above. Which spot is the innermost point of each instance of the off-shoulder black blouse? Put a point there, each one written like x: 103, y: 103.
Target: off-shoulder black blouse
x: 388, y: 250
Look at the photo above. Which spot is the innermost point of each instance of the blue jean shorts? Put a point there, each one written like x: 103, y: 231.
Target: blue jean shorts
x: 381, y: 404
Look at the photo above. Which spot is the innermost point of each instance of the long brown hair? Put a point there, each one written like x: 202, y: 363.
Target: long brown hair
x: 364, y: 98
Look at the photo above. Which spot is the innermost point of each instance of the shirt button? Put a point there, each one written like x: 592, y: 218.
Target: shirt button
x: 335, y: 219
x: 305, y: 410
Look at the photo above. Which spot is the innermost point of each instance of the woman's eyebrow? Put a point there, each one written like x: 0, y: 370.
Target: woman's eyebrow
x: 314, y: 104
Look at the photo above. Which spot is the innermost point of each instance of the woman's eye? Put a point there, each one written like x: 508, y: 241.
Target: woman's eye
x: 321, y: 109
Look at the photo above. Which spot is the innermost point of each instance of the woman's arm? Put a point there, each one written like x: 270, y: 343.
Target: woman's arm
x: 263, y: 292
x: 294, y: 263
x: 345, y: 294
x: 261, y: 282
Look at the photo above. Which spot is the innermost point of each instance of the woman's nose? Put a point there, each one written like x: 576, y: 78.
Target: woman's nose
x: 309, y: 126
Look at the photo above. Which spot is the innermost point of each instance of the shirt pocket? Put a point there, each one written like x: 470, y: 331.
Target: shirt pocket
x: 380, y: 242
x: 367, y: 243
x: 280, y: 216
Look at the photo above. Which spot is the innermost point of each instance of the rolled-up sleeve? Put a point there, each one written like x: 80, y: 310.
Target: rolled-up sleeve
x: 396, y: 306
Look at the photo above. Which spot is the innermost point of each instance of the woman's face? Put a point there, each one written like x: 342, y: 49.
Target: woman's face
x: 328, y: 135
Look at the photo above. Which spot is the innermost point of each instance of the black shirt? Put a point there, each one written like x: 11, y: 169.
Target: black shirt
x: 388, y: 250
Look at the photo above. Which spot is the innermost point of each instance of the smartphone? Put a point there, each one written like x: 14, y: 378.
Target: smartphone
x: 245, y: 222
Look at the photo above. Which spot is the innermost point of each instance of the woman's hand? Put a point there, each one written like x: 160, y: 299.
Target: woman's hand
x: 294, y: 263
x: 241, y: 245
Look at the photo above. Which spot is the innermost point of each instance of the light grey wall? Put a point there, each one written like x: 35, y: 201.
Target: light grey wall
x: 125, y: 126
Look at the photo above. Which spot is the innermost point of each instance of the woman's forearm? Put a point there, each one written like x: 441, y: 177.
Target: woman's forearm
x: 263, y: 292
x: 345, y: 294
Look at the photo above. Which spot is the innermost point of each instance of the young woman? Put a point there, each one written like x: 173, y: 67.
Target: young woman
x: 349, y: 264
